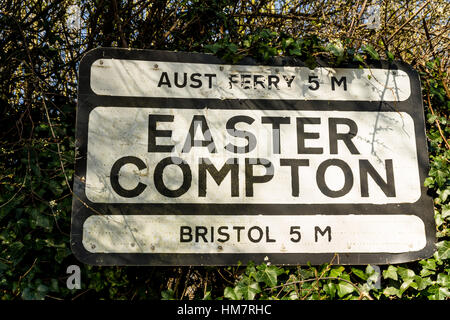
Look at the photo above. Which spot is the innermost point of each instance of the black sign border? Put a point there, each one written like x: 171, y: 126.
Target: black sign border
x: 82, y: 208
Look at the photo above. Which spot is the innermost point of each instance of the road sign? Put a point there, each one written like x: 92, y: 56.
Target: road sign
x: 183, y: 159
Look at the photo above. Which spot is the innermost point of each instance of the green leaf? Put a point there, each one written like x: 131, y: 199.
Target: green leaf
x: 247, y: 289
x: 3, y: 267
x: 295, y: 52
x: 390, y: 273
x: 389, y: 55
x: 44, y: 222
x: 268, y: 274
x: 422, y: 283
x: 231, y: 294
x: 167, y: 294
x: 373, y: 276
x: 372, y: 52
x: 407, y: 284
x: 405, y: 273
x: 330, y: 289
x: 361, y: 274
x: 336, y: 49
x: 443, y: 280
x: 344, y: 288
x: 443, y: 249
x: 429, y: 182
x: 445, y: 211
x: 391, y: 291
x: 358, y: 58
x: 438, y: 293
x: 336, y: 271
x: 443, y: 194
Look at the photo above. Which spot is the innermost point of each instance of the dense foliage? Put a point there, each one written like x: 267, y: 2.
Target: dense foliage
x: 42, y: 44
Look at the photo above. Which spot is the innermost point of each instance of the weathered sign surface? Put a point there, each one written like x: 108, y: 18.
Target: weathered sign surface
x: 185, y: 160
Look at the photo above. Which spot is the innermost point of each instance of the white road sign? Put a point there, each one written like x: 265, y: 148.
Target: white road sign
x: 186, y: 160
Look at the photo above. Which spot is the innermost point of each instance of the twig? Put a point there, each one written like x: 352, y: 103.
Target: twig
x: 24, y: 275
x: 359, y: 17
x: 80, y: 294
x: 119, y: 24
x: 408, y: 21
x: 23, y: 184
x: 230, y: 282
x: 427, y: 34
x: 437, y: 121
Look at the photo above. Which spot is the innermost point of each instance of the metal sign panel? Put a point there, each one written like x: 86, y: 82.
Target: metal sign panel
x: 185, y: 160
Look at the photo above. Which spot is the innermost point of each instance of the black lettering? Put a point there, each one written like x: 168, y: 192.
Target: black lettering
x: 191, y: 142
x: 153, y: 133
x: 185, y: 234
x: 268, y: 236
x: 296, y: 230
x: 276, y: 122
x: 345, y: 137
x: 200, y: 232
x: 245, y: 81
x: 318, y: 231
x: 159, y: 182
x: 387, y: 186
x: 294, y: 164
x: 288, y: 80
x: 114, y: 177
x: 238, y: 233
x: 250, y: 179
x: 334, y: 81
x: 226, y: 235
x: 302, y: 136
x: 182, y: 85
x: 313, y: 79
x: 210, y: 76
x: 320, y: 178
x: 273, y: 80
x: 231, y: 129
x: 198, y: 82
x: 164, y: 80
x: 256, y: 81
x: 259, y: 236
x: 231, y: 165
x: 232, y: 80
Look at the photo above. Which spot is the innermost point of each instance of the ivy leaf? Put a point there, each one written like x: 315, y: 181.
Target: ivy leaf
x: 443, y: 251
x: 344, y: 288
x: 389, y: 55
x: 167, y: 294
x: 443, y: 280
x: 422, y: 283
x: 445, y: 211
x: 373, y: 276
x: 390, y: 273
x: 443, y: 194
x: 247, y: 289
x: 358, y: 58
x: 231, y: 294
x: 330, y: 289
x: 372, y: 52
x: 268, y: 274
x: 438, y: 293
x: 361, y: 274
x: 336, y: 48
x: 391, y: 291
x: 295, y: 52
x: 405, y: 274
x: 336, y: 271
